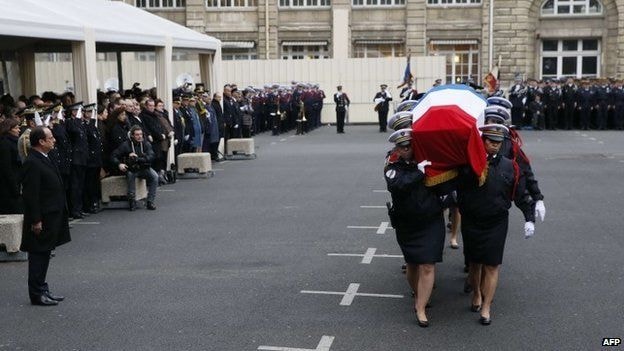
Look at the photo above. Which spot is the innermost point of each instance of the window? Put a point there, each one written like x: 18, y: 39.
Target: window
x: 231, y: 3
x: 145, y: 56
x: 571, y: 7
x: 239, y: 54
x: 462, y: 59
x: 364, y: 49
x: 53, y: 57
x: 305, y: 3
x: 150, y: 4
x: 570, y: 58
x: 300, y: 51
x: 106, y: 56
x: 378, y: 2
x: 454, y: 2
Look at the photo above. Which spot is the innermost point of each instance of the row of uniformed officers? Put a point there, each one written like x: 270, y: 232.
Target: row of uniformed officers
x: 417, y: 211
x: 570, y: 104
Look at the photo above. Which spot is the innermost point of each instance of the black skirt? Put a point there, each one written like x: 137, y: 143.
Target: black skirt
x: 484, y: 238
x: 424, y: 242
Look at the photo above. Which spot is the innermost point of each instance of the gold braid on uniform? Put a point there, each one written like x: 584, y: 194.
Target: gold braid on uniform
x: 441, y: 178
x: 484, y: 174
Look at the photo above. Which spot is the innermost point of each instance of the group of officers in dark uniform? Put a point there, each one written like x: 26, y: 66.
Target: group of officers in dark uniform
x: 482, y: 203
x: 567, y: 104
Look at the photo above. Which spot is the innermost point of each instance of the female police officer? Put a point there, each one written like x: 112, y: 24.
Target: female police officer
x: 485, y: 217
x: 416, y: 216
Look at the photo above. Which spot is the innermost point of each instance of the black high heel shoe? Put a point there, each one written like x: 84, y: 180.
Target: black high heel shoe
x: 422, y: 324
x: 485, y: 321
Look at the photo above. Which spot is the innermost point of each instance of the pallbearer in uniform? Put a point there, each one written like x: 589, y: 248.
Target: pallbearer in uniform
x: 416, y: 215
x: 342, y: 104
x: 485, y: 218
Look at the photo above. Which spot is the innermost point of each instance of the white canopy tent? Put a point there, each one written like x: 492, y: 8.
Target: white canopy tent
x: 29, y: 26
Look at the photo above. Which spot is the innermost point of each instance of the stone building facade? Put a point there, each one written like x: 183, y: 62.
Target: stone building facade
x: 531, y: 38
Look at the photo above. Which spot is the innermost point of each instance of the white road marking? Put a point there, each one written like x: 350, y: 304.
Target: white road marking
x: 166, y: 190
x: 592, y: 139
x: 367, y: 257
x: 80, y: 222
x: 323, y: 345
x: 350, y: 294
x: 218, y: 169
x: 282, y: 139
x: 373, y: 207
x: 383, y: 227
x: 380, y: 191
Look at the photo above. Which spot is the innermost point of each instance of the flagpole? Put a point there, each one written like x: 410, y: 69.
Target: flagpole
x: 491, y: 35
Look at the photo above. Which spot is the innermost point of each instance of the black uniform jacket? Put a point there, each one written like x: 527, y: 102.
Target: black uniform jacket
x: 493, y: 198
x: 413, y: 203
x: 44, y: 200
x: 10, y: 176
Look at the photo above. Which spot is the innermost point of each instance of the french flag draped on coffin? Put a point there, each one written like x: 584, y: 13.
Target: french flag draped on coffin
x: 445, y: 132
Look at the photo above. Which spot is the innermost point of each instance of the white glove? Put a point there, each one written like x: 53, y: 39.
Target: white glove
x: 529, y: 229
x: 186, y: 137
x: 236, y: 126
x: 540, y: 210
x: 421, y: 166
x: 175, y: 142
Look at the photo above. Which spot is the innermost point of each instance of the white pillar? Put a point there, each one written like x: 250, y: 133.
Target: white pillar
x: 340, y: 33
x: 28, y: 79
x: 84, y: 66
x: 164, y: 86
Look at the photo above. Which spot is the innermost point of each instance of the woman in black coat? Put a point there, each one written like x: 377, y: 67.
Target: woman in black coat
x: 485, y: 217
x: 10, y: 168
x: 417, y: 218
x: 117, y: 135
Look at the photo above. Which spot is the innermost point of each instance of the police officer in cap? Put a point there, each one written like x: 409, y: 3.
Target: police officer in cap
x: 485, y: 218
x: 416, y: 215
x: 80, y: 154
x: 382, y: 106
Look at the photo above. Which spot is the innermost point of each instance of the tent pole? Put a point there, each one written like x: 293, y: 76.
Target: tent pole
x: 119, y: 71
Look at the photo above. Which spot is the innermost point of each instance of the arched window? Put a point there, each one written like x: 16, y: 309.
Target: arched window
x: 571, y: 7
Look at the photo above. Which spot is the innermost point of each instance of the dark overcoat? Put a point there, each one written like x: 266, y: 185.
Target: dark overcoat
x: 44, y: 200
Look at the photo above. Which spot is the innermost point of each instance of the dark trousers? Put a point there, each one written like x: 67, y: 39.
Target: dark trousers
x: 601, y: 116
x: 618, y: 117
x: 568, y: 117
x: 340, y: 120
x: 38, y: 263
x: 516, y: 116
x: 552, y: 116
x: 382, y: 116
x: 77, y: 184
x: 92, y: 188
x: 585, y: 114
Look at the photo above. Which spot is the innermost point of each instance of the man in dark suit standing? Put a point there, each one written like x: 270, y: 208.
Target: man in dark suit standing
x: 382, y: 106
x: 45, y: 215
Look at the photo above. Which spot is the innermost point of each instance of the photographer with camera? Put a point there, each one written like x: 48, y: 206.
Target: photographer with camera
x: 134, y: 157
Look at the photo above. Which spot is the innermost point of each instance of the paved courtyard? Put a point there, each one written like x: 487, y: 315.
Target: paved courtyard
x: 292, y: 251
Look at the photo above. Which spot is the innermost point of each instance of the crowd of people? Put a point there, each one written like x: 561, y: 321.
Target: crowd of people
x: 567, y: 104
x: 480, y: 207
x: 130, y: 133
